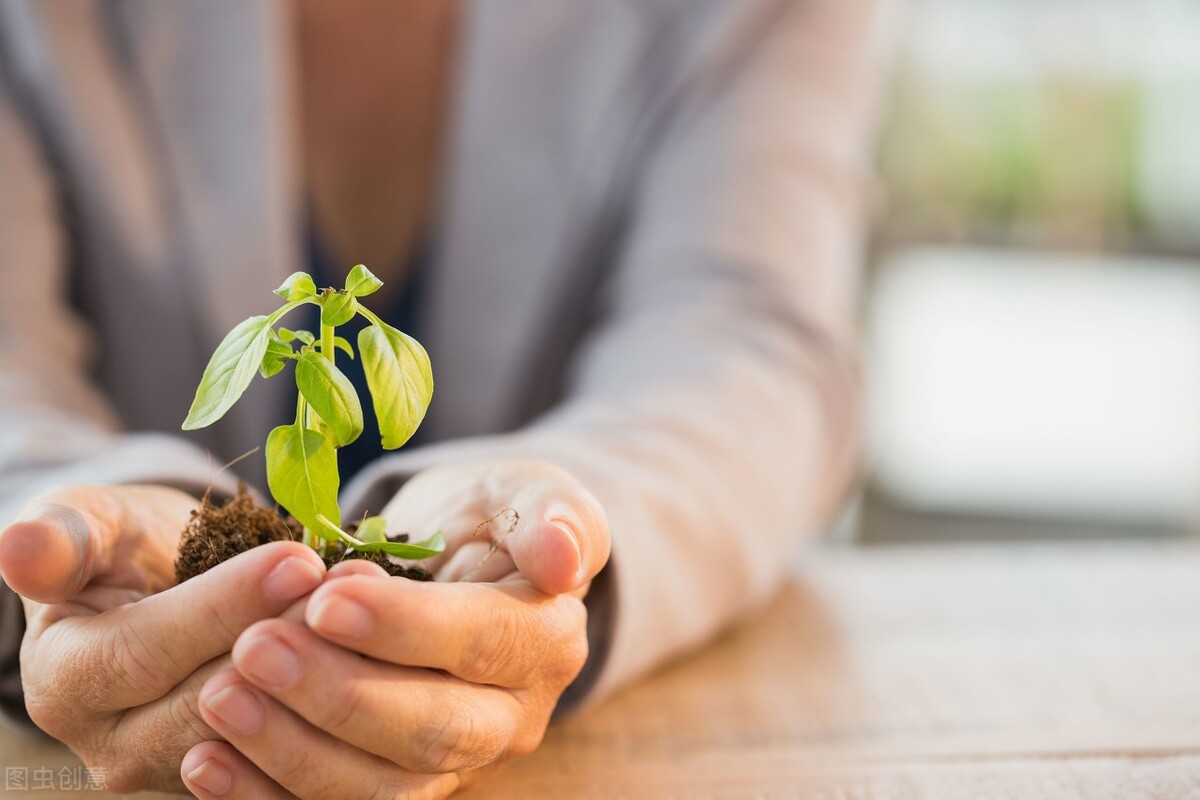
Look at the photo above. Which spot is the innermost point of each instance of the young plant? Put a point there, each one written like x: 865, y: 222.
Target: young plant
x: 302, y: 470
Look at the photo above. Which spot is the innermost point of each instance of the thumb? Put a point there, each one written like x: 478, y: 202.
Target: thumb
x: 553, y: 530
x: 75, y: 535
x: 49, y: 556
x: 564, y: 544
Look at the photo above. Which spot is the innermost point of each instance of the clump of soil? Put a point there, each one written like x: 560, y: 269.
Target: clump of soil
x: 219, y: 531
x: 340, y: 553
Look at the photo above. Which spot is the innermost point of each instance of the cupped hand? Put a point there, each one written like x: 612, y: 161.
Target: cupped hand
x: 394, y: 688
x: 113, y: 657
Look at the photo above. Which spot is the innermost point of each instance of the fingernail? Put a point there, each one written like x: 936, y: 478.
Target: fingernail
x: 271, y: 662
x: 338, y: 616
x: 238, y: 708
x: 211, y: 777
x: 292, y: 579
x: 572, y: 536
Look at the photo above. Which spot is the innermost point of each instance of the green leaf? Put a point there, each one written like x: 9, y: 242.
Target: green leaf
x: 304, y: 336
x: 362, y: 282
x: 400, y: 379
x: 338, y: 309
x: 412, y: 550
x: 331, y: 395
x: 372, y: 529
x: 229, y: 371
x: 297, y: 286
x: 275, y: 357
x: 271, y: 366
x: 302, y: 475
x: 341, y: 344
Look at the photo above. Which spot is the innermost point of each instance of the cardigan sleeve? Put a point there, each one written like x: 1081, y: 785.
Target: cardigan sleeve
x: 56, y: 426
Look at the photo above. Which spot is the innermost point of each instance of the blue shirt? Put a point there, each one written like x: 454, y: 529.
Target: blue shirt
x: 400, y: 311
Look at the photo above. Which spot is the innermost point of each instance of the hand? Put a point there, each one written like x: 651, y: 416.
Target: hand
x: 113, y: 660
x: 457, y: 677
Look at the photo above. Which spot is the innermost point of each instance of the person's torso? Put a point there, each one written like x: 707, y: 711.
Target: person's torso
x: 170, y: 129
x: 371, y: 84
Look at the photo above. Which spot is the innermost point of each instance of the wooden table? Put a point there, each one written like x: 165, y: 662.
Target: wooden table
x: 966, y: 671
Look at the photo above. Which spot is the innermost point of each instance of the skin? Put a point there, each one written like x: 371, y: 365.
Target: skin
x: 200, y: 683
x: 374, y: 88
x: 112, y: 660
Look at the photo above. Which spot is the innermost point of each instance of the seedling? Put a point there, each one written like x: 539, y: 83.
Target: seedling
x: 302, y: 469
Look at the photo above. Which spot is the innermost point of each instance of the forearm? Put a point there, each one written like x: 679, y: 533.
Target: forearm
x: 705, y: 510
x: 107, y: 458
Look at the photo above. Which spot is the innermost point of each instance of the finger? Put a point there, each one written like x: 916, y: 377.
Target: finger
x: 217, y: 770
x: 161, y: 732
x: 296, y: 611
x: 505, y: 635
x: 68, y: 538
x: 561, y: 540
x: 422, y: 720
x: 136, y: 653
x: 480, y: 562
x: 558, y: 536
x: 47, y: 559
x: 305, y: 761
x: 355, y: 566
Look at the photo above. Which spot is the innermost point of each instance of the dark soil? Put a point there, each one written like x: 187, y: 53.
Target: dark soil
x: 395, y: 570
x: 219, y: 531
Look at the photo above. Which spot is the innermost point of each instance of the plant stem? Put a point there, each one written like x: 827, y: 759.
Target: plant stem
x: 345, y: 537
x: 370, y: 317
x: 308, y: 537
x: 327, y: 348
x: 301, y: 407
x: 278, y: 313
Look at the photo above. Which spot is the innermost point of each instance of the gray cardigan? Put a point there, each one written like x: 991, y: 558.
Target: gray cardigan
x: 646, y: 268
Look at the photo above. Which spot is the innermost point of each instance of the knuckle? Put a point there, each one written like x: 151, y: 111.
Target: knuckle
x: 340, y: 715
x: 574, y: 613
x: 184, y: 714
x: 143, y: 753
x: 215, y: 609
x: 94, y: 743
x: 527, y: 740
x: 127, y: 660
x: 570, y: 651
x: 568, y: 663
x: 290, y: 768
x: 491, y: 655
x: 42, y: 704
x: 51, y: 706
x: 47, y: 713
x: 58, y: 699
x: 453, y: 742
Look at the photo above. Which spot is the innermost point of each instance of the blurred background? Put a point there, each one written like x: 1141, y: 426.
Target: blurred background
x: 1033, y: 304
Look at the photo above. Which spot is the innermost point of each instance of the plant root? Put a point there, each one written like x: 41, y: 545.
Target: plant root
x: 513, y: 519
